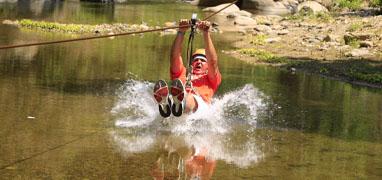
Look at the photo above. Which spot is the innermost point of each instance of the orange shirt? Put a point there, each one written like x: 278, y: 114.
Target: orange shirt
x: 203, y: 85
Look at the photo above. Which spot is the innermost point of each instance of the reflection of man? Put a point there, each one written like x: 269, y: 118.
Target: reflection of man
x: 200, y: 166
x: 182, y: 162
x: 205, y: 76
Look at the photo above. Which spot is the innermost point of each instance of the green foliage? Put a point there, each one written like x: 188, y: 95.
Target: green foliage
x: 50, y: 26
x: 371, y: 77
x: 351, y: 4
x: 324, y: 70
x: 258, y: 39
x: 355, y: 27
x: 263, y: 56
x: 309, y: 15
x: 376, y: 3
x: 352, y: 41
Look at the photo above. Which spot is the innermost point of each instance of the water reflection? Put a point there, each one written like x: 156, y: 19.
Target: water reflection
x: 29, y: 9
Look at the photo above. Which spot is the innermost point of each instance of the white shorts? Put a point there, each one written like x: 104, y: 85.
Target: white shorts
x: 202, y: 105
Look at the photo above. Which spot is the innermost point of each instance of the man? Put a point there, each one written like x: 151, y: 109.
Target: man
x: 205, y: 76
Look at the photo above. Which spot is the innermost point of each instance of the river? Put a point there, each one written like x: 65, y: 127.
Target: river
x: 83, y: 110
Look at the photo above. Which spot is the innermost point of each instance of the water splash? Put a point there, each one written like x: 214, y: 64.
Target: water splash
x: 137, y: 113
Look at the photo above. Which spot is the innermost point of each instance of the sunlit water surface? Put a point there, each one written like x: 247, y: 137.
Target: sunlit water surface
x: 84, y: 109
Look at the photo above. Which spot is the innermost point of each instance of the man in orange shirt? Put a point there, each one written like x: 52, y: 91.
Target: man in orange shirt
x: 205, y: 76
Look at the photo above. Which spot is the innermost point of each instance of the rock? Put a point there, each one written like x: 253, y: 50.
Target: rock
x: 208, y: 2
x: 169, y: 24
x: 328, y: 38
x: 313, y: 6
x: 358, y: 53
x: 242, y: 31
x: 273, y: 40
x: 244, y: 13
x: 9, y: 22
x: 263, y: 28
x: 169, y: 32
x: 362, y: 36
x: 111, y: 37
x: 228, y: 10
x: 231, y: 15
x: 283, y: 32
x: 239, y: 13
x: 366, y: 44
x: 244, y: 21
x: 277, y: 27
x: 311, y: 39
x: 144, y: 27
x: 264, y: 20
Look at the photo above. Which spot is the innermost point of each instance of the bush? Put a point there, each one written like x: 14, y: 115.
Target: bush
x: 263, y: 56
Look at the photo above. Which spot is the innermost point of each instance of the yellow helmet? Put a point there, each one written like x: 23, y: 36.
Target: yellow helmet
x: 199, y: 54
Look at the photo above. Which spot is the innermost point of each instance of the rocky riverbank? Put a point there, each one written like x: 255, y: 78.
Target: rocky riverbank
x: 87, y: 29
x: 344, y: 45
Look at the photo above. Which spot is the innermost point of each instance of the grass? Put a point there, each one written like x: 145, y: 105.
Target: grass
x: 263, y: 56
x: 351, y: 4
x: 352, y: 41
x: 258, y: 39
x: 320, y: 17
x: 355, y: 27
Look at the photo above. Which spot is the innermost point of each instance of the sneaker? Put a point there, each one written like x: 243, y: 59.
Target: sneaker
x: 161, y: 97
x: 178, y: 94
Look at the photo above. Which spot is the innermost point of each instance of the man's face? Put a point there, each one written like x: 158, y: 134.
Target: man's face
x: 199, y: 66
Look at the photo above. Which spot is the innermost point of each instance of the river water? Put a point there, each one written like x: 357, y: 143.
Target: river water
x: 84, y: 110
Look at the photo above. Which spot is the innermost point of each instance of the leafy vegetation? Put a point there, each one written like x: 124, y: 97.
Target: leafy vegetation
x: 51, y: 26
x: 263, y: 56
x: 321, y: 17
x: 376, y: 3
x: 259, y: 39
x: 351, y: 4
x: 355, y: 27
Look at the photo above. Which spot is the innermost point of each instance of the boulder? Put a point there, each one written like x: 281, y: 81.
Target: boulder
x: 228, y: 10
x: 263, y: 28
x: 273, y: 40
x: 9, y: 22
x: 358, y: 53
x: 210, y: 2
x: 244, y: 13
x: 169, y: 24
x: 366, y: 44
x: 268, y: 6
x: 313, y: 6
x: 244, y: 21
x: 239, y: 13
x: 283, y: 32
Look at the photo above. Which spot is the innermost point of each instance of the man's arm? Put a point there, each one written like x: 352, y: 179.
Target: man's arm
x: 176, y: 62
x: 212, y: 58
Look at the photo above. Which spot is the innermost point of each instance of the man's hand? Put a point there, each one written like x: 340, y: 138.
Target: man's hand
x: 184, y: 22
x: 204, y: 26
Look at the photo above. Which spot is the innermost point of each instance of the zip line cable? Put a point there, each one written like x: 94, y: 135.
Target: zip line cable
x: 109, y: 35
